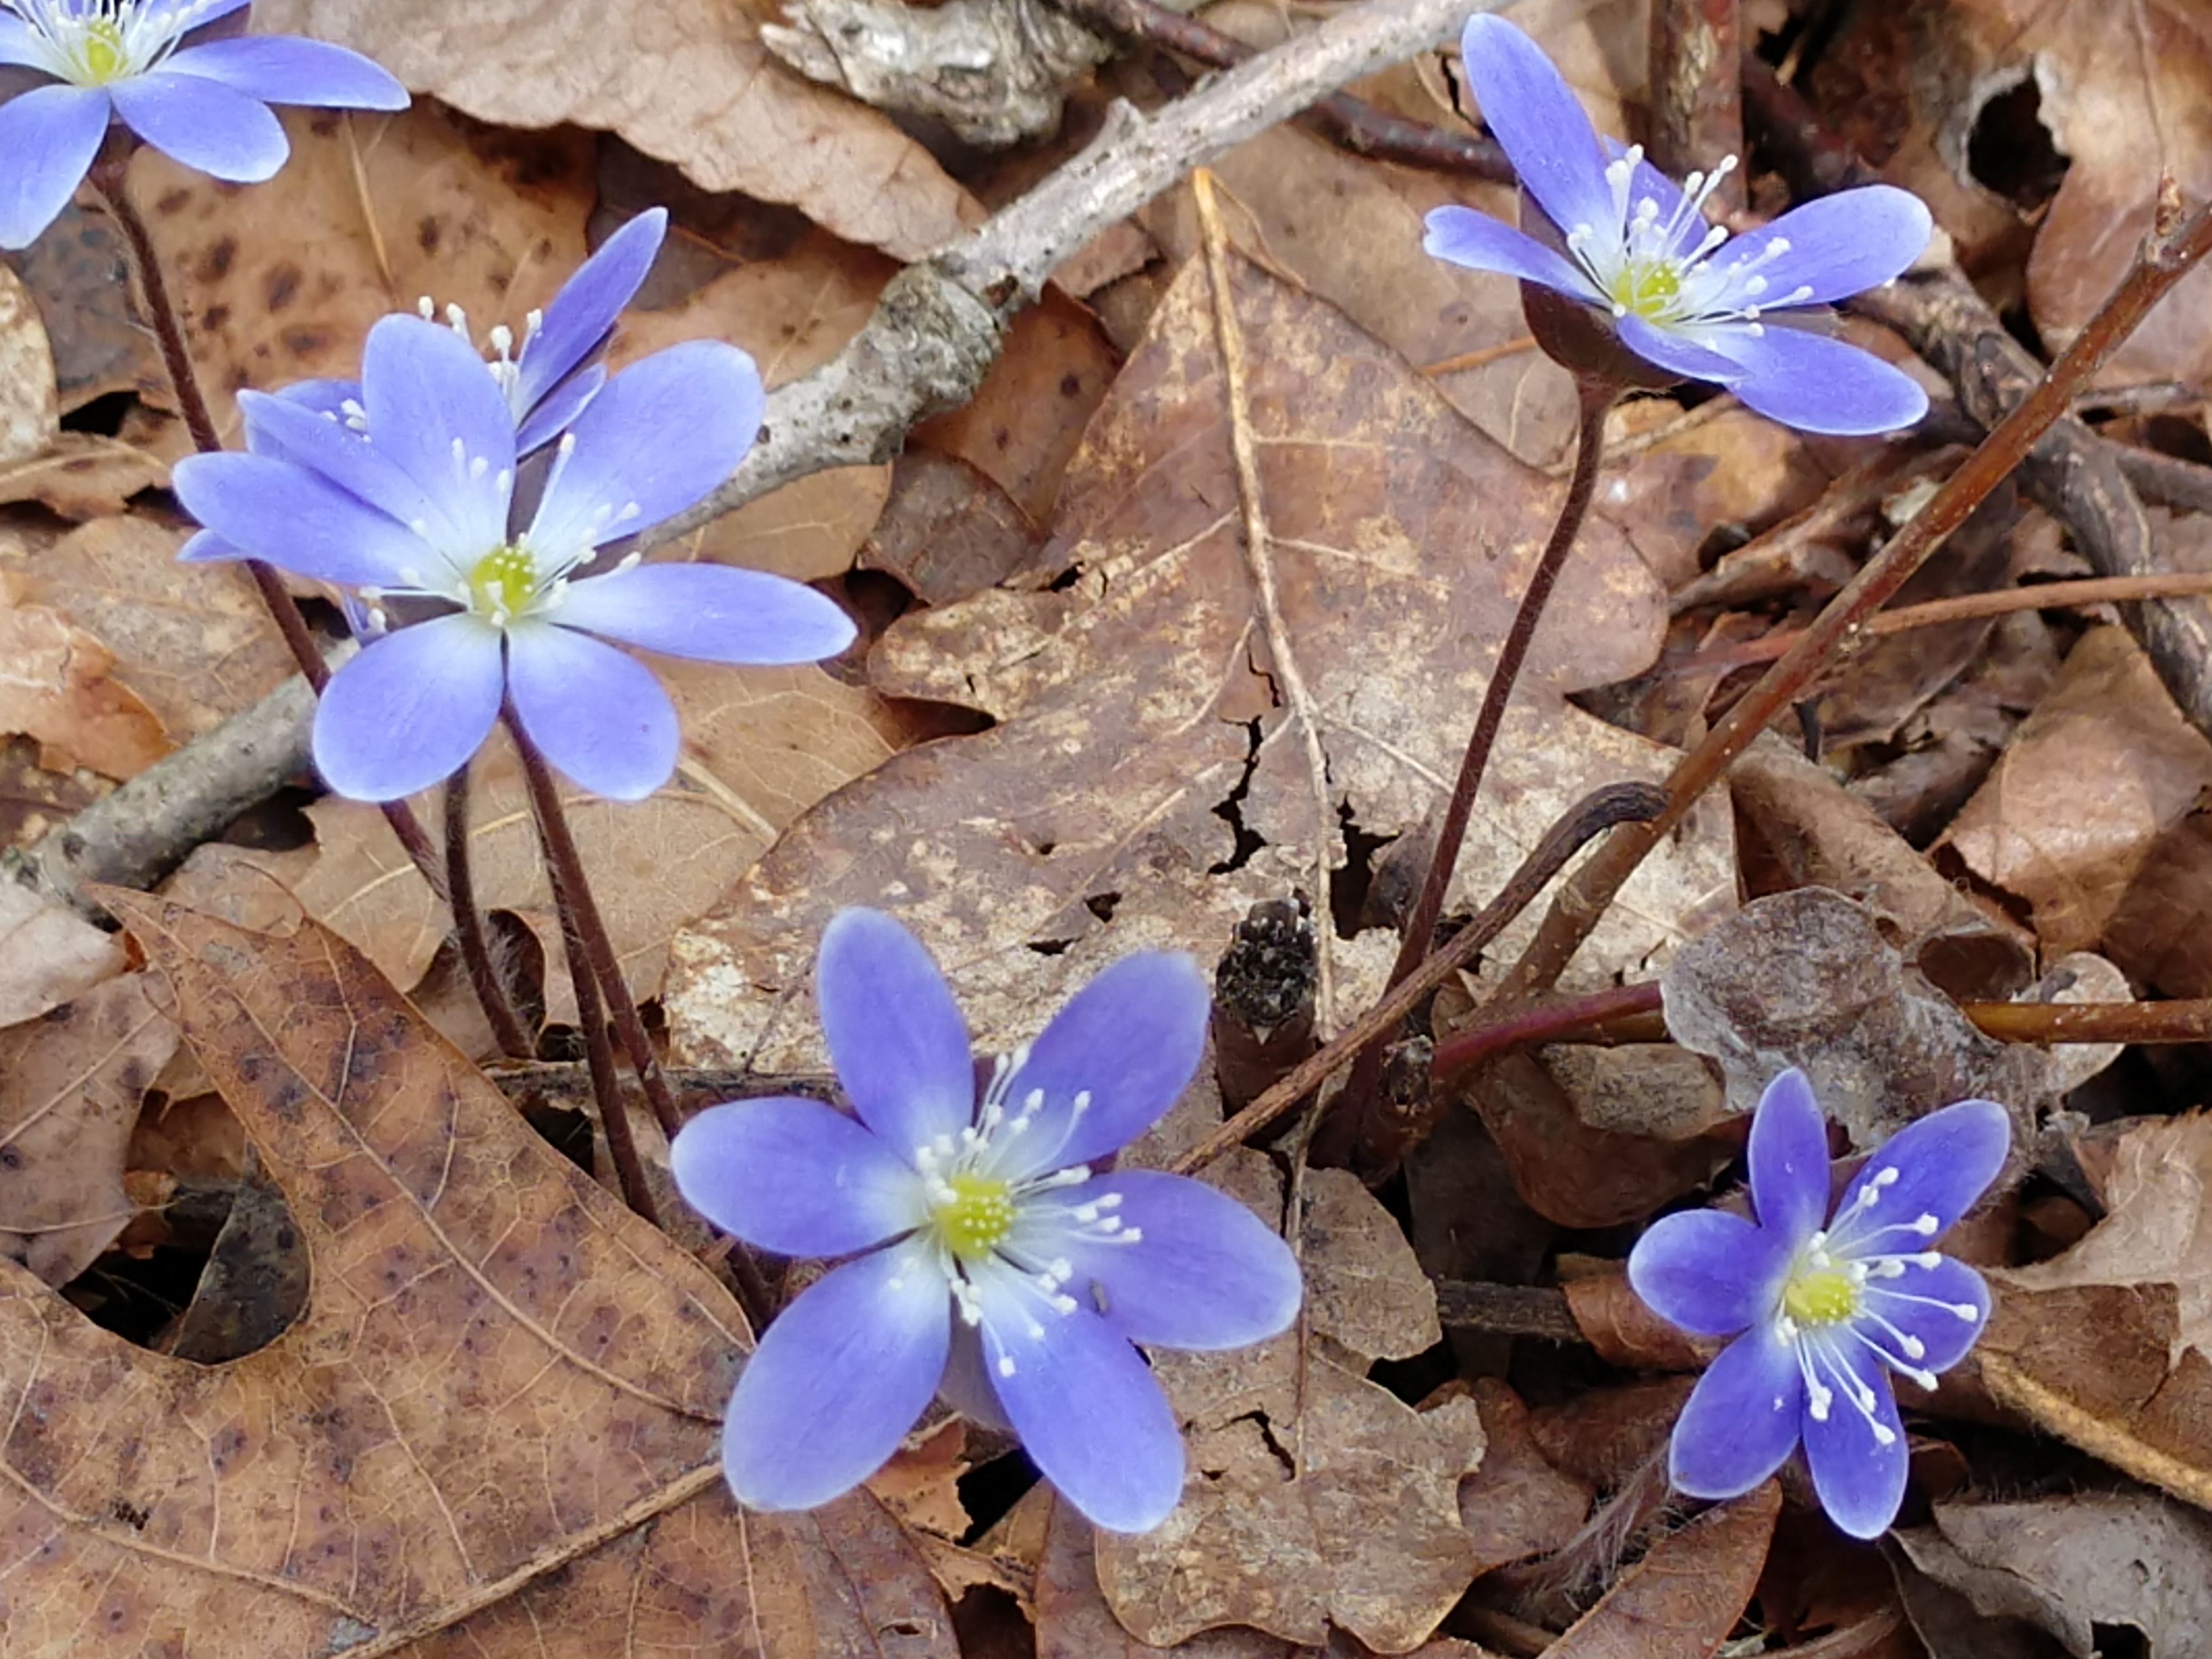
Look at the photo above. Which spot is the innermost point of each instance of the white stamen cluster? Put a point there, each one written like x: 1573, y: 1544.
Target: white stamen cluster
x: 1830, y: 1306
x: 991, y: 1223
x: 505, y: 363
x: 1664, y: 271
x: 92, y: 43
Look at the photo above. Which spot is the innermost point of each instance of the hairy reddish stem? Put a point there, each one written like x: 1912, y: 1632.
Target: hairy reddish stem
x: 484, y: 978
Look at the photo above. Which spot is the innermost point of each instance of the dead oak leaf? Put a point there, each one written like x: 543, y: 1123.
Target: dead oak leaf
x: 1153, y: 770
x: 497, y: 1414
x: 2109, y: 1346
x: 687, y: 81
x: 71, y: 1085
x: 57, y: 685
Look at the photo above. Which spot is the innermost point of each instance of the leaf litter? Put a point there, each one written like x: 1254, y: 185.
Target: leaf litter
x: 1183, y: 614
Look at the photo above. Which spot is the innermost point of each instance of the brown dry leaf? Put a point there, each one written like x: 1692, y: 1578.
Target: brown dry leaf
x: 2104, y: 766
x: 56, y: 685
x: 1314, y: 1497
x: 1805, y: 978
x: 49, y: 955
x: 193, y: 642
x: 1516, y: 1504
x: 30, y: 412
x: 2109, y: 1346
x: 69, y: 1089
x: 2126, y: 92
x: 1681, y: 1601
x: 498, y: 1412
x: 282, y: 282
x: 2158, y: 935
x: 1153, y: 772
x: 2073, y: 1563
x: 760, y: 745
x: 1074, y: 1622
x: 82, y: 475
x: 687, y: 81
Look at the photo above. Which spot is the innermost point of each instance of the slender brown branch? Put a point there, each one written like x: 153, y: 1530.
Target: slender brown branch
x: 1592, y: 815
x: 567, y: 867
x: 598, y: 1050
x: 1697, y: 101
x: 484, y: 977
x: 2172, y: 254
x: 109, y: 177
x: 1962, y: 607
x: 1359, y: 126
x: 1550, y: 1022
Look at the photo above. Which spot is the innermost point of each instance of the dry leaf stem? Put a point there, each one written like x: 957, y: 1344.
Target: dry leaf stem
x: 109, y: 177
x: 2173, y: 251
x: 484, y: 977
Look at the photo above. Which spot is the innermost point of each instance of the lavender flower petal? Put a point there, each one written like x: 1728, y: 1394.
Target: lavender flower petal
x: 1944, y: 1162
x: 1924, y: 1305
x: 1204, y: 1274
x: 712, y: 612
x: 290, y: 429
x: 1677, y: 354
x: 410, y: 710
x: 427, y: 394
x: 273, y: 510
x: 1788, y: 1159
x: 1482, y: 243
x: 1538, y: 123
x: 1860, y: 1479
x: 557, y: 411
x: 1088, y: 1410
x: 277, y: 69
x: 795, y: 1177
x: 18, y: 45
x: 1130, y: 1040
x: 966, y: 1384
x: 584, y: 312
x: 658, y: 437
x: 49, y: 136
x: 837, y: 1380
x: 1815, y: 384
x: 896, y: 1036
x: 600, y: 717
x: 203, y: 123
x: 1838, y: 245
x: 1741, y: 1419
x: 1708, y: 1272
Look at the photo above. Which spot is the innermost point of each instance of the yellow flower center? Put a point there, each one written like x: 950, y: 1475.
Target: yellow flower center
x: 102, y: 52
x: 1822, y: 1296
x: 1647, y: 290
x: 504, y: 582
x: 977, y: 1217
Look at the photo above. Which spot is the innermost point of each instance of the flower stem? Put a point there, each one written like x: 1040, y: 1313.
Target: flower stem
x: 572, y: 893
x: 108, y: 176
x: 598, y: 1051
x: 1595, y: 397
x: 484, y: 979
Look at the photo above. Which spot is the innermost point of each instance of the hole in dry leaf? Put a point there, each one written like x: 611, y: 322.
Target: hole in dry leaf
x: 1349, y: 887
x: 989, y: 1490
x: 2009, y: 150
x: 103, y: 416
x: 1231, y: 810
x: 1049, y: 947
x: 1103, y: 905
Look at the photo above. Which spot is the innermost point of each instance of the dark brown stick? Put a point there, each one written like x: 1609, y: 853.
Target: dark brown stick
x: 507, y: 1027
x: 1697, y: 104
x: 1357, y: 125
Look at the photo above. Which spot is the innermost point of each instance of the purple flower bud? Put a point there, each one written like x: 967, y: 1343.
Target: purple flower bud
x: 992, y: 1264
x: 1679, y: 292
x: 1828, y: 1306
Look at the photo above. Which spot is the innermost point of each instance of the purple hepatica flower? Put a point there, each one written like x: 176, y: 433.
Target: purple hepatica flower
x: 988, y: 1258
x: 1680, y: 293
x: 205, y: 103
x: 422, y: 513
x: 1827, y: 1312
